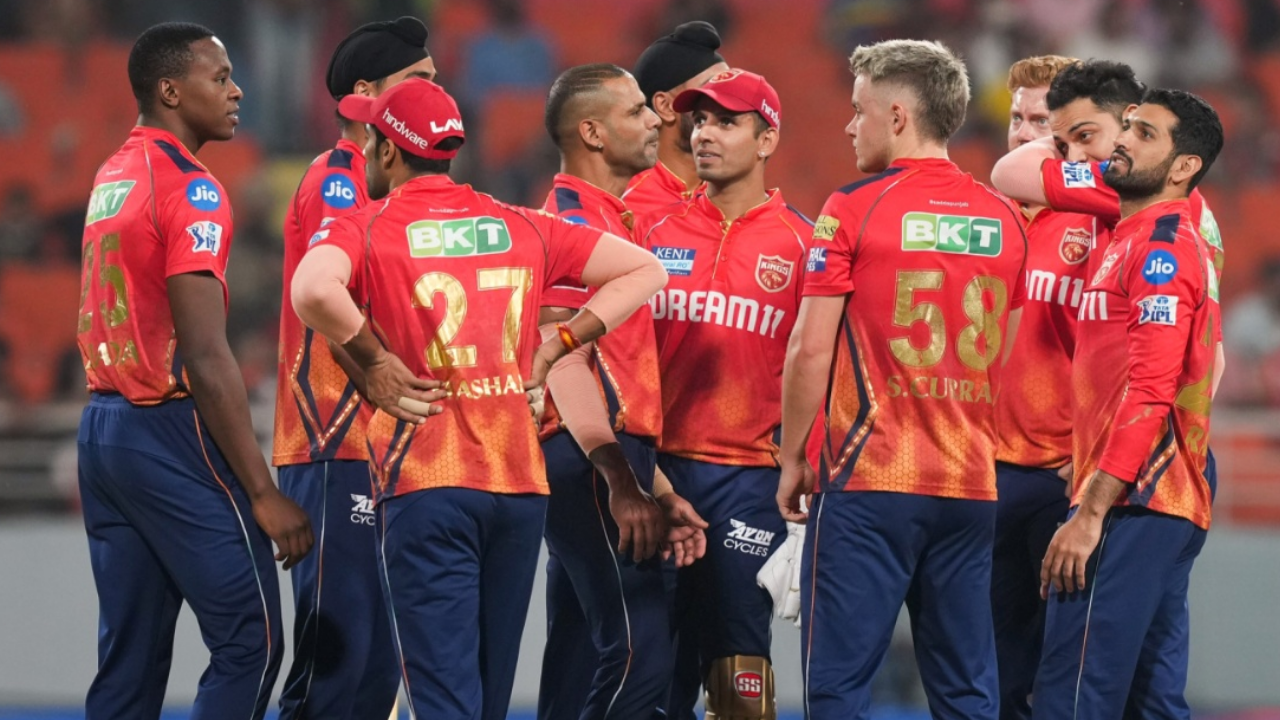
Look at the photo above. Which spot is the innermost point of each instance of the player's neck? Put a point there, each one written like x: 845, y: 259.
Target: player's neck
x: 1132, y: 206
x: 921, y: 150
x: 591, y: 167
x: 679, y: 162
x: 736, y: 198
x: 170, y: 124
x: 355, y: 132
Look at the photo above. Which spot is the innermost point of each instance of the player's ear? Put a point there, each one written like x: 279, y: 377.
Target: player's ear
x: 1184, y: 168
x: 767, y: 142
x: 662, y: 104
x: 897, y: 117
x: 167, y: 94
x: 589, y: 131
x: 363, y: 87
x: 387, y: 154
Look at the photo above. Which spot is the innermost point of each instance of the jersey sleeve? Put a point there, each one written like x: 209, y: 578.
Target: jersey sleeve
x: 1078, y: 187
x: 194, y: 223
x: 569, y: 246
x: 1018, y: 296
x: 829, y: 266
x: 1165, y: 285
x: 566, y: 295
x: 348, y: 235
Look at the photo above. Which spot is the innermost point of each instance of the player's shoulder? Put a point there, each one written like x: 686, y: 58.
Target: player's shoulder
x: 671, y: 218
x: 566, y: 203
x: 353, y: 224
x: 790, y: 212
x: 870, y: 186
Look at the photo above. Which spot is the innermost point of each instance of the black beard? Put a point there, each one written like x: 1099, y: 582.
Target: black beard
x: 1138, y: 184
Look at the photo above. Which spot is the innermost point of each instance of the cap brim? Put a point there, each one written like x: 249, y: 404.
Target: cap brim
x: 357, y: 108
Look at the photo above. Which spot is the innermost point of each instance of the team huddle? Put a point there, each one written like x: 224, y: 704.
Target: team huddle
x: 936, y: 393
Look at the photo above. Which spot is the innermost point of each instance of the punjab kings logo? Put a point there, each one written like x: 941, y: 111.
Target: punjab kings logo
x: 725, y: 76
x: 749, y: 685
x: 773, y: 273
x: 1074, y: 247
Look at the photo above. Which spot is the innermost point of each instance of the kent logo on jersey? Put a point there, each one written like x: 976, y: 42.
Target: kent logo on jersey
x: 1160, y: 267
x: 203, y: 195
x: 207, y: 237
x: 107, y: 200
x: 338, y: 191
x: 959, y: 234
x: 676, y: 261
x: 1158, y: 309
x: 458, y: 238
x: 1077, y: 175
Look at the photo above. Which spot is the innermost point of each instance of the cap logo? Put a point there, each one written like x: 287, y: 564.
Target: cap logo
x: 769, y: 112
x: 725, y: 76
x: 450, y: 124
x: 404, y: 131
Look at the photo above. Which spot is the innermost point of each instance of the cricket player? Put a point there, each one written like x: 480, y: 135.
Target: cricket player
x: 178, y: 502
x: 450, y: 282
x: 912, y: 298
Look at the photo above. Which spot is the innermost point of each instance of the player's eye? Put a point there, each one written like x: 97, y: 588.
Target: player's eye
x: 1042, y: 122
x: 1086, y: 137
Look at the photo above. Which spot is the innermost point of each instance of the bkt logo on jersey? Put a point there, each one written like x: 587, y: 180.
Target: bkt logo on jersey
x: 959, y: 234
x: 203, y: 195
x: 338, y: 191
x: 206, y: 237
x: 749, y: 540
x: 676, y: 261
x: 362, y: 511
x: 748, y: 684
x: 1160, y: 267
x: 107, y: 200
x: 1158, y: 309
x: 458, y: 238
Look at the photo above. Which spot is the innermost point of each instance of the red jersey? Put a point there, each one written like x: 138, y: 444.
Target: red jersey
x: 319, y: 414
x: 722, y: 325
x: 655, y: 190
x: 1143, y: 367
x: 1033, y: 409
x: 625, y: 361
x: 932, y: 262
x: 451, y: 281
x: 1080, y: 188
x: 155, y: 212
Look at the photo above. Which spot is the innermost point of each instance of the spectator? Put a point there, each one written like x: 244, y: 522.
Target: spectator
x: 1251, y: 332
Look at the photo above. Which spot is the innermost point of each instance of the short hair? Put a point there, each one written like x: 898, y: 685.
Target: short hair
x: 1038, y: 71
x: 161, y: 51
x: 421, y: 165
x: 574, y: 83
x: 930, y: 70
x: 1111, y: 86
x: 1198, y: 131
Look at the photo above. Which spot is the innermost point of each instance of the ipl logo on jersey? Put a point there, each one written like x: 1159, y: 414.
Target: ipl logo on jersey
x: 1077, y: 175
x: 1158, y: 309
x: 773, y: 273
x: 1074, y: 247
x: 207, y: 237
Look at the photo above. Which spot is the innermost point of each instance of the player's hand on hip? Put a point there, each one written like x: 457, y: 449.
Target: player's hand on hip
x: 1067, y: 558
x: 639, y: 519
x: 543, y: 358
x: 1065, y: 473
x: 686, y: 530
x: 796, y: 482
x: 286, y: 524
x: 396, y: 391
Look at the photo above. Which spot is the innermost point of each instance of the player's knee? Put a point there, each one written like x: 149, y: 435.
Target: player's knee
x: 741, y: 688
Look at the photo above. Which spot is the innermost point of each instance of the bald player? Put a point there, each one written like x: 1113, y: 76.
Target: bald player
x: 685, y: 59
x: 344, y: 664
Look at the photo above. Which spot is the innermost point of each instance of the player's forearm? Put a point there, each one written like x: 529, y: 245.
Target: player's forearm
x: 1017, y: 174
x: 1099, y: 496
x: 626, y: 275
x: 577, y: 397
x: 807, y: 369
x: 319, y: 294
x: 661, y: 483
x: 353, y: 371
x: 218, y: 389
x: 612, y: 464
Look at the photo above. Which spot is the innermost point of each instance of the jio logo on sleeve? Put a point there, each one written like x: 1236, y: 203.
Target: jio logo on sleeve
x: 338, y: 191
x: 203, y: 195
x: 1160, y: 267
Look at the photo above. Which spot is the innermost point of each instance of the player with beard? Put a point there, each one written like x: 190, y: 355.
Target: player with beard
x: 672, y: 64
x: 1116, y: 574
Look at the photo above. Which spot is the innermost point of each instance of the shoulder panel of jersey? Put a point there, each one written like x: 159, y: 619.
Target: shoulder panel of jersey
x: 931, y: 262
x: 1143, y: 368
x: 319, y: 415
x: 1033, y: 409
x: 722, y: 325
x: 154, y: 212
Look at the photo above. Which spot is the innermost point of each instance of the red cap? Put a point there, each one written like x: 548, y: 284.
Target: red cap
x: 415, y: 114
x: 738, y: 91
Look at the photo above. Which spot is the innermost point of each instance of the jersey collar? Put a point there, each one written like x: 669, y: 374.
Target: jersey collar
x: 708, y: 208
x: 1181, y: 206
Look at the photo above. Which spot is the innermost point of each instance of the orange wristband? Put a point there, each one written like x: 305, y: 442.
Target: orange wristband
x: 567, y: 338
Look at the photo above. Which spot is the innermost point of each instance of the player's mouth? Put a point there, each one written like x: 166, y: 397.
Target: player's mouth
x: 234, y: 115
x: 1118, y: 157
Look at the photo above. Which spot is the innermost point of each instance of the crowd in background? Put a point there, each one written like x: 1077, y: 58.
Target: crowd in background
x: 65, y: 105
